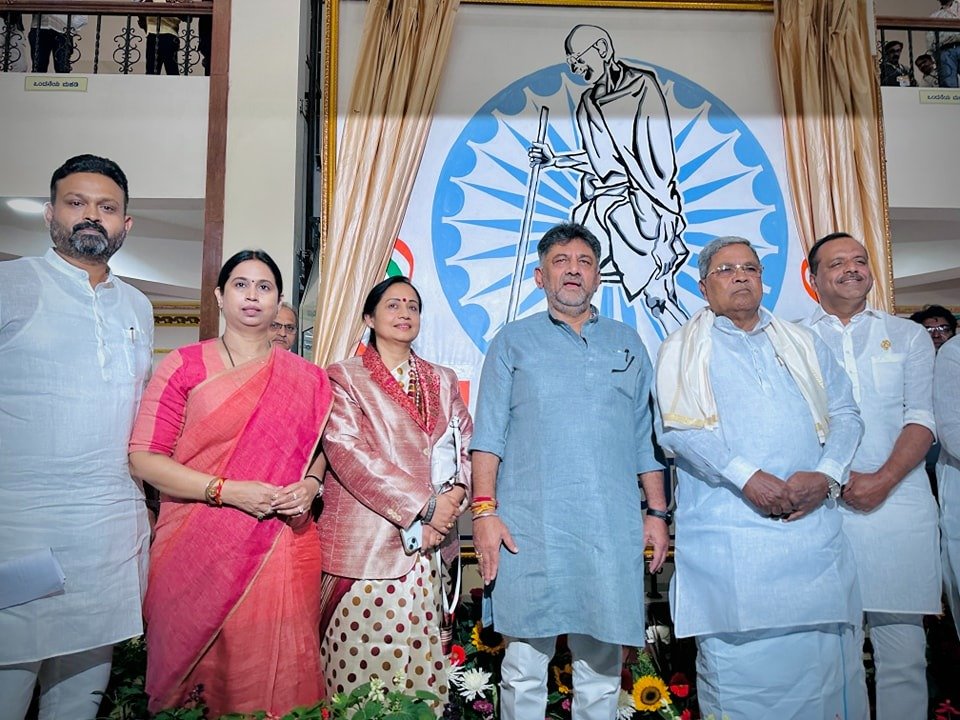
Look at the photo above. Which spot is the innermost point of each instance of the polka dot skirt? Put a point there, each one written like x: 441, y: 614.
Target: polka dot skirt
x: 384, y: 627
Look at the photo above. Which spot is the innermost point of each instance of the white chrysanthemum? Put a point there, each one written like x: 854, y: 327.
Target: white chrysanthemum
x: 455, y: 675
x: 378, y: 690
x: 474, y: 684
x: 625, y: 707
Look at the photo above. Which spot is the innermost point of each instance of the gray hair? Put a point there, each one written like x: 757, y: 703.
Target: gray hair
x: 717, y: 244
x: 292, y: 309
x: 565, y: 232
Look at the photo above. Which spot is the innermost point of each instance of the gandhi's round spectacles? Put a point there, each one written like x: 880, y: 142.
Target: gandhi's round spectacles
x: 574, y: 59
x: 728, y: 271
x: 275, y: 327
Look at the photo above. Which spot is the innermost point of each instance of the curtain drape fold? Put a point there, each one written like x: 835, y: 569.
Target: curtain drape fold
x: 403, y: 51
x: 832, y: 128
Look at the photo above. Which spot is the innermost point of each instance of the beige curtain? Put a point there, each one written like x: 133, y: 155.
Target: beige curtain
x: 402, y: 53
x: 832, y: 127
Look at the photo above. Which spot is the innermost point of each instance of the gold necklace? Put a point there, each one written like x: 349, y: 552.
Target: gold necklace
x: 230, y: 354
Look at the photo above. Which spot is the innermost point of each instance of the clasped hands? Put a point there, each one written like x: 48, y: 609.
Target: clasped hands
x: 445, y: 516
x: 290, y: 503
x: 791, y: 500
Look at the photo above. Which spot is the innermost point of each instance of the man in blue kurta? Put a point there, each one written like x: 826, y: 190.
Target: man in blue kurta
x: 563, y: 430
x: 764, y: 426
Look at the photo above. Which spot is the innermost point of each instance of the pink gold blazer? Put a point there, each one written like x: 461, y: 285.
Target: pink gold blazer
x: 378, y: 472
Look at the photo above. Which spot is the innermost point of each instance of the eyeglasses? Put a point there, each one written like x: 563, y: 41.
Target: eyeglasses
x: 574, y: 60
x: 728, y: 271
x: 941, y: 329
x: 275, y: 326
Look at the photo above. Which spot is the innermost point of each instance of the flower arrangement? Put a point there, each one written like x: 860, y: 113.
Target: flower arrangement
x: 126, y: 698
x: 475, y: 677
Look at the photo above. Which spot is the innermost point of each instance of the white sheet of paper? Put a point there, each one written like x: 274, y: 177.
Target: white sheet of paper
x: 30, y: 577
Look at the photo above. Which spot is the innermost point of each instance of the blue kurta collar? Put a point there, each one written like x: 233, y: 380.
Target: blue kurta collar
x: 725, y: 324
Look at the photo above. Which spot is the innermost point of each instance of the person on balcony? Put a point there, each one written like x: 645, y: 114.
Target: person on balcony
x: 163, y: 41
x: 52, y: 35
x: 892, y: 73
x: 929, y: 77
x: 945, y: 45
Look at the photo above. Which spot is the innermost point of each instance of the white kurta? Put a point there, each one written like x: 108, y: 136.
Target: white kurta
x: 890, y: 363
x: 946, y: 380
x: 75, y: 360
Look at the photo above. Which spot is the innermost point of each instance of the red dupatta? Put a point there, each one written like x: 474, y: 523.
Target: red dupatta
x: 255, y: 422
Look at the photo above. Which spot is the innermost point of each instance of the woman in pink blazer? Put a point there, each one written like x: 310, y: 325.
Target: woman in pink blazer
x: 398, y: 477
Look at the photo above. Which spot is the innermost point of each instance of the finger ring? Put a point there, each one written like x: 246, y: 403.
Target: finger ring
x: 299, y: 511
x: 260, y: 516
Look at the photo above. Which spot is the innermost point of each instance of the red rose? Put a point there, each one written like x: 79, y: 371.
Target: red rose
x: 680, y: 691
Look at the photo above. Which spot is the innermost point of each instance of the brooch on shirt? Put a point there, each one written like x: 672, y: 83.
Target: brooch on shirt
x: 885, y: 344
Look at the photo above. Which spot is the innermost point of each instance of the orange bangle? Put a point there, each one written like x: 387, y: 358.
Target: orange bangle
x: 214, y: 490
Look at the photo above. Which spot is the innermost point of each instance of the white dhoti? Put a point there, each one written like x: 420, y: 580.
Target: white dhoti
x: 786, y: 673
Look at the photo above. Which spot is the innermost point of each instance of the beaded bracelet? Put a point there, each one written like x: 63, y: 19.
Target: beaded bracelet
x: 431, y: 508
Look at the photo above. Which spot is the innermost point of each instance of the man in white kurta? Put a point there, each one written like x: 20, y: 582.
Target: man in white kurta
x: 75, y: 348
x: 763, y: 425
x: 946, y: 404
x: 889, y: 514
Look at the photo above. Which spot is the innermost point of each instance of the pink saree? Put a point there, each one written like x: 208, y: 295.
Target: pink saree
x: 232, y: 603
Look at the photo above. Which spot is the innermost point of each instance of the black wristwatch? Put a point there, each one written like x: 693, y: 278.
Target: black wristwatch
x: 664, y: 515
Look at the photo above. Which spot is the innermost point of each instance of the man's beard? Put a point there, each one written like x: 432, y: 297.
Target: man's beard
x: 95, y: 246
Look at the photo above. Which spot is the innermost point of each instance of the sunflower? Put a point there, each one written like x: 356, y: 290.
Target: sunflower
x: 560, y: 674
x: 649, y: 693
x: 477, y: 640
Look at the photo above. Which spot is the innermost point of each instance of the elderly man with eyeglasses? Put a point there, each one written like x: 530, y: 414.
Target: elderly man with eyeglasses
x: 284, y: 328
x: 763, y: 424
x: 889, y: 514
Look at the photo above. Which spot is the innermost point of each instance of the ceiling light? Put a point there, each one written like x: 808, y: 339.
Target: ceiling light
x: 25, y: 206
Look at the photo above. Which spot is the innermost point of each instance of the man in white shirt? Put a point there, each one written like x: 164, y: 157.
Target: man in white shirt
x: 945, y: 44
x: 889, y: 514
x: 75, y: 348
x: 946, y: 380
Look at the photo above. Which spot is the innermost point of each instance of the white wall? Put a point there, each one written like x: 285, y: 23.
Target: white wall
x: 154, y: 127
x: 264, y: 130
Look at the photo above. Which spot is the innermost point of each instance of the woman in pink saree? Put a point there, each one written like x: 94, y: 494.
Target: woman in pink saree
x: 228, y: 433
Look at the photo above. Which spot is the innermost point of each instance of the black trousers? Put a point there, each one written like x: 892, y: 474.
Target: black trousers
x: 162, y: 51
x: 45, y: 42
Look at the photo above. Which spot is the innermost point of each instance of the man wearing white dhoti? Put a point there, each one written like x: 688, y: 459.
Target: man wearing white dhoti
x: 889, y: 514
x: 764, y: 426
x: 75, y: 348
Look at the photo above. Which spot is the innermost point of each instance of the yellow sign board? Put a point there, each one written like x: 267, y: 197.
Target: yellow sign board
x: 60, y: 83
x: 940, y: 96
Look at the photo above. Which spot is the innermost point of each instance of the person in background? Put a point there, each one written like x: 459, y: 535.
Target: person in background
x: 76, y: 344
x: 284, y: 328
x: 52, y: 35
x: 892, y: 72
x: 228, y: 432
x: 163, y: 41
x: 889, y: 514
x: 938, y: 321
x: 946, y: 405
x: 389, y: 525
x: 944, y: 45
x: 929, y: 77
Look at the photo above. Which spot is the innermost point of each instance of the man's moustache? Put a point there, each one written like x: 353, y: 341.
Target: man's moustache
x: 90, y: 225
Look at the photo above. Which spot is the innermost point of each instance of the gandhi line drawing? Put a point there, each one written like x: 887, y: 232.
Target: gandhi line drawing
x: 628, y: 174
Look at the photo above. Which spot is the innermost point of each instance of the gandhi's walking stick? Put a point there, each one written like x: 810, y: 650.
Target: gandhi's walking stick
x: 528, y: 209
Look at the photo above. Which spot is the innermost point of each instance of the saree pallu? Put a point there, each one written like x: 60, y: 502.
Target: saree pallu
x: 232, y: 603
